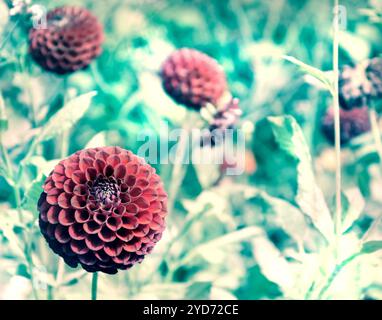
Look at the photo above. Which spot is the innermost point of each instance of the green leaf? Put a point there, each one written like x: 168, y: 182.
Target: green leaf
x: 99, y: 140
x: 32, y: 195
x: 286, y: 215
x: 309, y: 196
x: 371, y: 246
x: 273, y: 265
x: 312, y: 71
x: 43, y: 166
x: 198, y: 291
x: 352, y: 206
x: 3, y: 125
x: 9, y: 224
x: 22, y: 270
x: 66, y: 117
x: 3, y: 116
x: 223, y: 241
x: 72, y: 278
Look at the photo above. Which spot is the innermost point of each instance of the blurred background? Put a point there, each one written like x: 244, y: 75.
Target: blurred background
x: 227, y: 237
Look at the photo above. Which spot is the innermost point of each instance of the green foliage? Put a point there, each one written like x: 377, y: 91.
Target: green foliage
x: 371, y: 246
x: 66, y: 117
x: 309, y: 197
x: 314, y: 72
x: 266, y: 234
x: 32, y: 195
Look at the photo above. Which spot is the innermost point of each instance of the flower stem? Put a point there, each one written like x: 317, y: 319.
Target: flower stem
x: 376, y: 132
x: 60, y: 271
x: 27, y: 244
x: 17, y: 197
x: 66, y: 133
x: 94, y: 285
x: 336, y: 104
x: 178, y: 171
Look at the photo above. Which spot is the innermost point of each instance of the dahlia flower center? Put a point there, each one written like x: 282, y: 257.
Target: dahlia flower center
x: 105, y: 190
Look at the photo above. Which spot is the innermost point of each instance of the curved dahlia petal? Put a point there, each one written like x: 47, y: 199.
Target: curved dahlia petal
x: 102, y: 208
x: 70, y: 41
x: 193, y: 78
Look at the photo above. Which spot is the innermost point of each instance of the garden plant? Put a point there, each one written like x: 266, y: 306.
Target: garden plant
x: 189, y: 149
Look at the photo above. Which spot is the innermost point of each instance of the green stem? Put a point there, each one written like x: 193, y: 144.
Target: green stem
x: 337, y: 138
x: 31, y: 150
x: 5, y: 155
x: 94, y: 285
x: 18, y: 201
x: 376, y: 132
x: 27, y: 245
x: 66, y: 133
x: 335, y: 272
x: 180, y: 235
x: 178, y: 171
x: 60, y: 271
x: 17, y: 195
x: 310, y: 291
x: 64, y: 144
x: 104, y: 86
x: 50, y: 293
x: 6, y: 38
x: 16, y: 191
x: 336, y: 104
x: 130, y: 104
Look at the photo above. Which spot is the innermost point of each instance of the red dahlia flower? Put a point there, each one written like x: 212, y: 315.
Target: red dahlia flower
x: 102, y: 208
x: 71, y: 40
x: 192, y: 78
x: 352, y: 123
x: 361, y: 84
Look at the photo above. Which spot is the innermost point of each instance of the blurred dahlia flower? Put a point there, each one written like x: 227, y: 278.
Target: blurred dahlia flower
x: 193, y: 79
x: 71, y: 39
x: 102, y: 208
x: 353, y: 123
x: 361, y: 84
x: 223, y: 119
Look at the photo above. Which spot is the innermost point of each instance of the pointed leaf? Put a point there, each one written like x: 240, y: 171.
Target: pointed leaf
x: 32, y: 195
x: 309, y: 196
x: 312, y: 71
x: 66, y: 117
x: 352, y: 204
x: 371, y: 246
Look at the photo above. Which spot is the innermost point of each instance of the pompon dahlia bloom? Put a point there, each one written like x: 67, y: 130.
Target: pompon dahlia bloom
x: 70, y: 41
x: 352, y: 123
x: 361, y: 84
x: 193, y: 79
x: 102, y: 208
